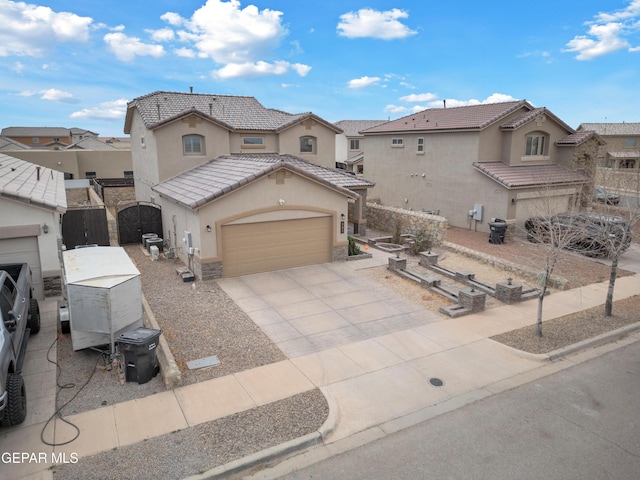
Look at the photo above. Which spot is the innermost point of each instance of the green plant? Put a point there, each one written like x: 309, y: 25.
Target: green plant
x: 422, y: 241
x: 354, y: 248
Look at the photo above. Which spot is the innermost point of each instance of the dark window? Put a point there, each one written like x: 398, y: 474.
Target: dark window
x: 193, y: 144
x: 307, y: 144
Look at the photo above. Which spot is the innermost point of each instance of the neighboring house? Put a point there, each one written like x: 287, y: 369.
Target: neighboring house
x: 32, y: 200
x: 243, y: 188
x: 9, y: 144
x: 622, y: 149
x: 78, y: 134
x: 48, y: 138
x: 90, y: 143
x: 476, y: 163
x: 350, y: 144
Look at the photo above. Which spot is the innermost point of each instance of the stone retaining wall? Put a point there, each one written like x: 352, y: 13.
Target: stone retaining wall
x: 385, y: 219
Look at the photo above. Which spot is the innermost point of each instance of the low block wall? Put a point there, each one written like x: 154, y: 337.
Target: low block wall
x: 381, y: 217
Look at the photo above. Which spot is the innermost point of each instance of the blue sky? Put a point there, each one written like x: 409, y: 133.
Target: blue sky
x: 66, y: 63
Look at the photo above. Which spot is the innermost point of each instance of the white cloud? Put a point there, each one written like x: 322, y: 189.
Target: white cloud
x: 419, y: 97
x: 363, y: 82
x: 185, y: 52
x: 452, y: 102
x: 367, y: 22
x: 30, y: 30
x: 27, y: 93
x: 18, y: 67
x: 56, y: 95
x: 161, y: 35
x: 259, y: 69
x: 127, y: 48
x: 229, y: 34
x: 112, y: 110
x: 607, y: 33
x: 395, y: 109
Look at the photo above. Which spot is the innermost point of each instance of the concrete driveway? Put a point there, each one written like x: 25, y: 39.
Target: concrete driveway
x: 310, y: 309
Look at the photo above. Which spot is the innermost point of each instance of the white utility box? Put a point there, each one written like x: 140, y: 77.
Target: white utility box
x: 104, y: 295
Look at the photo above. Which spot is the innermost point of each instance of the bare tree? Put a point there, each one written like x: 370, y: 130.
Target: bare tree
x: 617, y: 210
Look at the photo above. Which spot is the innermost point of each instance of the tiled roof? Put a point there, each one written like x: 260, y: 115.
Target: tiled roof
x: 90, y: 144
x: 35, y: 132
x: 230, y: 111
x: 354, y: 158
x: 20, y: 181
x: 526, y: 117
x: 352, y: 128
x: 578, y: 138
x: 224, y: 174
x: 473, y: 117
x: 605, y: 129
x: 529, y: 176
x: 10, y: 144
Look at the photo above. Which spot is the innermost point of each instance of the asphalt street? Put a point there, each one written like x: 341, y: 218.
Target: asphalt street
x: 582, y: 423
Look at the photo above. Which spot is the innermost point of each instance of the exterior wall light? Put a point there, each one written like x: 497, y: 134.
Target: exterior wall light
x: 45, y: 228
x: 209, y: 228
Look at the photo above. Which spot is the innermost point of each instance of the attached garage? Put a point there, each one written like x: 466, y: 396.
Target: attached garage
x: 267, y: 246
x: 24, y: 250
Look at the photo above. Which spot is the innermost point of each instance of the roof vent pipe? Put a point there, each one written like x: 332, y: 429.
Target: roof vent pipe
x: 211, y: 109
x: 445, y: 103
x: 38, y: 173
x: 158, y: 105
x: 190, y: 89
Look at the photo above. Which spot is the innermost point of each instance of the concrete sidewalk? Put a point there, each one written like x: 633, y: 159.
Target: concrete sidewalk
x: 376, y: 382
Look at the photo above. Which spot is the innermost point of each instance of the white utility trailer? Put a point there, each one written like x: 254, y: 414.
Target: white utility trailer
x: 104, y: 295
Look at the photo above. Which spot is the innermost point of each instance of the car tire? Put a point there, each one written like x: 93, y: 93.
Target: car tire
x: 16, y: 410
x: 33, y: 322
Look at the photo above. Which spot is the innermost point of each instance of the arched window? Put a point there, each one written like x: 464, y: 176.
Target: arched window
x: 536, y: 144
x: 307, y: 144
x: 193, y: 145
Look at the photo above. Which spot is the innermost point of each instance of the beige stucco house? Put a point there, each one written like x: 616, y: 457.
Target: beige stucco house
x: 32, y: 200
x: 622, y: 148
x: 350, y: 144
x: 243, y: 188
x: 476, y: 163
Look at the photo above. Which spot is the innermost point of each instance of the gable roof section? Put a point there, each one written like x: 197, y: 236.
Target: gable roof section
x: 352, y: 128
x: 7, y: 143
x: 473, y: 117
x: 605, y: 129
x: 578, y: 138
x: 529, y: 176
x: 236, y: 113
x: 227, y: 173
x: 90, y: 143
x: 526, y: 117
x: 27, y: 183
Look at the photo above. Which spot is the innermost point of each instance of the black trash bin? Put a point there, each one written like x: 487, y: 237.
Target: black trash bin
x: 497, y: 231
x: 139, y: 349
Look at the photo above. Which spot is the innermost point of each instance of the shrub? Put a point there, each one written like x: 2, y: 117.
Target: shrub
x: 354, y: 248
x: 423, y: 241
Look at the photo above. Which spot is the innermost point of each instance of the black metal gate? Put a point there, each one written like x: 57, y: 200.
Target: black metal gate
x: 85, y: 226
x: 134, y: 219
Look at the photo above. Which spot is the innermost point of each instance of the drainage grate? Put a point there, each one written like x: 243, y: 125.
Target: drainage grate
x: 436, y: 382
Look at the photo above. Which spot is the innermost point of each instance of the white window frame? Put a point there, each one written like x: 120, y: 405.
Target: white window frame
x: 420, y: 146
x: 535, y: 145
x: 354, y: 144
x: 188, y: 145
x: 397, y: 142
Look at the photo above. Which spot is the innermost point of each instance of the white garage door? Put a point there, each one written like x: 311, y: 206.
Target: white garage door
x: 267, y: 246
x: 24, y: 250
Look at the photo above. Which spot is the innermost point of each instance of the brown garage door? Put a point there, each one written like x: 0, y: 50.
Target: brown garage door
x: 267, y: 246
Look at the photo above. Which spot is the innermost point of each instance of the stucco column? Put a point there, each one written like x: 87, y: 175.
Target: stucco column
x: 360, y: 213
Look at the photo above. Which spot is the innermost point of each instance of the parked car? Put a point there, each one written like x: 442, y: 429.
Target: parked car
x: 602, y: 195
x: 20, y: 316
x: 591, y: 234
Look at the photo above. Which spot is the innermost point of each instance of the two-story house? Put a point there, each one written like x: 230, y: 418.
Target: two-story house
x: 350, y: 144
x: 622, y: 149
x: 49, y: 138
x: 476, y: 163
x: 243, y: 188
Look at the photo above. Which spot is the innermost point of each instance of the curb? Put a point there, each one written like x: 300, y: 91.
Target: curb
x: 277, y: 451
x: 168, y: 366
x: 596, y: 341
